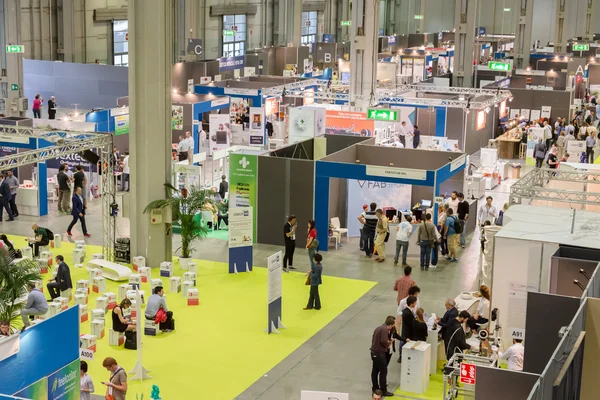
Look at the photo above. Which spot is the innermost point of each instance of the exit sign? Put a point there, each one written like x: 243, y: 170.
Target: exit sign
x: 345, y: 23
x: 418, y: 17
x: 381, y: 114
x: 14, y: 86
x: 15, y: 48
x: 581, y: 47
x: 228, y: 32
x: 499, y: 66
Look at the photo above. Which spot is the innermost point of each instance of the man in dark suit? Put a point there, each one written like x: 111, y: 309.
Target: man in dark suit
x: 62, y: 281
x: 450, y: 315
x: 454, y: 337
x: 5, y: 197
x: 78, y: 213
x: 52, y: 108
x: 408, y: 317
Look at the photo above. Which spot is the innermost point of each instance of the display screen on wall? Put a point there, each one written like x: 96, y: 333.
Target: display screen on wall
x: 481, y: 115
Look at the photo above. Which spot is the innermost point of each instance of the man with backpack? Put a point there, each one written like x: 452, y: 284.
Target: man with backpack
x: 452, y: 230
x: 41, y: 237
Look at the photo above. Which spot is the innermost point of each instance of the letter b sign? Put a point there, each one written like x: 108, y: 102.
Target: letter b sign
x: 327, y: 57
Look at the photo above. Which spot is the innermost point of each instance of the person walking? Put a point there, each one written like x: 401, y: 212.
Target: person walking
x: 403, y: 284
x: 289, y: 238
x: 369, y: 220
x: 52, y: 108
x: 13, y: 183
x: 451, y: 235
x: 426, y: 240
x: 79, y: 181
x: 463, y: 215
x: 5, y: 198
x: 487, y: 212
x: 440, y: 228
x: 78, y: 213
x: 590, y: 143
x: 314, y: 279
x: 117, y: 384
x: 37, y: 106
x: 380, y: 343
x: 416, y: 137
x: 382, y: 235
x: 85, y: 382
x: 63, y: 190
x: 362, y: 226
x: 539, y: 152
x: 63, y: 281
x: 125, y: 177
x: 312, y: 244
x: 403, y: 232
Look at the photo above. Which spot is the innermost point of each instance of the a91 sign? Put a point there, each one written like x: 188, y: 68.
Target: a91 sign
x: 517, y: 333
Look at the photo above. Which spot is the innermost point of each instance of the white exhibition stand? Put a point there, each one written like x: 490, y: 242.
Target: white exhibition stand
x: 110, y: 270
x: 138, y: 371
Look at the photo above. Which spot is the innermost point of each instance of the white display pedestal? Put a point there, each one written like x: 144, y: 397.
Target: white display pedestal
x: 416, y: 357
x: 432, y: 339
x: 27, y: 201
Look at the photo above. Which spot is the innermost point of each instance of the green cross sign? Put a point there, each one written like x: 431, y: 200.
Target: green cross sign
x: 581, y: 47
x: 499, y: 66
x: 381, y: 114
x: 15, y: 48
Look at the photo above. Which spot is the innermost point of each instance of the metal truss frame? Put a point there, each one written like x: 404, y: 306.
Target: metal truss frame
x: 533, y: 186
x: 64, y: 143
x: 475, y: 99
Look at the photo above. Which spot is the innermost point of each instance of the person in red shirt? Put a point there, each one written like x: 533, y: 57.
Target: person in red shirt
x: 312, y: 244
x: 37, y: 106
x: 403, y: 284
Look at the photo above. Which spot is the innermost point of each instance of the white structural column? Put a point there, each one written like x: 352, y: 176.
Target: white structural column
x: 523, y: 34
x: 150, y: 55
x: 588, y: 33
x: 363, y: 49
x: 12, y: 63
x: 68, y: 30
x: 466, y: 11
x: 290, y: 22
x: 561, y: 35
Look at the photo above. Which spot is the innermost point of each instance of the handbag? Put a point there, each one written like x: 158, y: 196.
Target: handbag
x: 431, y: 242
x: 307, y: 283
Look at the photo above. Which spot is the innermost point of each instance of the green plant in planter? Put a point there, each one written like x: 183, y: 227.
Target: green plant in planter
x: 184, y: 206
x: 13, y: 285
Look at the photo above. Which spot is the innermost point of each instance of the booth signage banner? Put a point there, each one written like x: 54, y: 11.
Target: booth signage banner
x: 230, y: 63
x: 121, y: 124
x: 348, y: 123
x: 546, y: 111
x: 533, y: 135
x: 575, y: 148
x: 243, y: 178
x: 242, y: 92
x: 119, y: 111
x: 274, y: 266
x: 257, y: 126
x: 458, y: 162
x: 221, y: 101
x: 400, y: 173
x: 37, y: 391
x: 177, y: 118
x: 64, y: 383
x: 205, y: 80
x: 8, y: 138
x: 220, y: 132
x: 314, y: 395
x: 517, y: 333
x: 535, y: 115
x: 190, y: 86
x: 240, y: 227
x: 271, y: 106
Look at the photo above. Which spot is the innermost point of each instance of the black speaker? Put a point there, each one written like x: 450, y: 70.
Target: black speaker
x: 90, y: 156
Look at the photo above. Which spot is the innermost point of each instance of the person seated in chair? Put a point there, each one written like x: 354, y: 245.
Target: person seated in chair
x: 36, y: 304
x: 119, y: 321
x: 157, y: 302
x: 40, y: 238
x: 63, y: 281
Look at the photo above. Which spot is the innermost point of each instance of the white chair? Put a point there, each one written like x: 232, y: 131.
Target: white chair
x: 335, y: 221
x: 335, y: 240
x: 207, y: 216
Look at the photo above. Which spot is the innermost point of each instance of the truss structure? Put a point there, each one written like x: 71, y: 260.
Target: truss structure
x: 326, y: 91
x: 61, y: 143
x: 534, y: 186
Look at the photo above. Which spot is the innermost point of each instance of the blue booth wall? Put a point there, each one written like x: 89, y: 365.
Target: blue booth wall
x: 45, y: 347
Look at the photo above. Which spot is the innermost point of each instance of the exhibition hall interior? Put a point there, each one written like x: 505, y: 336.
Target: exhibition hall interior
x: 304, y: 200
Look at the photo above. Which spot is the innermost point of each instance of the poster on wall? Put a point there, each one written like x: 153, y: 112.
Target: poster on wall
x: 514, y: 113
x: 64, y: 383
x: 257, y: 126
x: 122, y: 125
x: 290, y: 70
x: 309, y: 96
x: 177, y: 118
x: 348, y: 123
x: 36, y: 391
x: 535, y: 115
x: 308, y: 66
x: 243, y: 172
x: 533, y: 135
x: 526, y: 114
x: 240, y: 227
x: 219, y: 132
x: 546, y: 111
x: 385, y: 194
x: 481, y: 118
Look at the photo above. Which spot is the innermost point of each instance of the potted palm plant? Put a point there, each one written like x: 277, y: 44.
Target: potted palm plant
x: 14, y: 278
x: 185, y: 206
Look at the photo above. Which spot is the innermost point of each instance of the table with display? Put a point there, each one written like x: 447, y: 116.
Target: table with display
x: 508, y: 145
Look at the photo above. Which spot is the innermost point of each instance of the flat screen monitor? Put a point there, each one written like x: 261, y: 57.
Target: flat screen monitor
x: 425, y: 203
x: 346, y: 78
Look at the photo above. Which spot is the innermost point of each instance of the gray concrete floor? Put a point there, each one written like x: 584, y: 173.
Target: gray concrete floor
x: 337, y: 358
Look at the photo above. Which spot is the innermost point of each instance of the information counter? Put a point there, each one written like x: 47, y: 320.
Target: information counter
x: 28, y: 201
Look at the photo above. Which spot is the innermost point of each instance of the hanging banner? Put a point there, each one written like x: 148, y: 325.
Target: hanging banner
x: 546, y: 111
x: 348, y: 123
x: 257, y: 126
x: 177, y: 118
x: 274, y: 266
x: 122, y: 125
x: 64, y: 383
x: 219, y: 132
x: 533, y: 135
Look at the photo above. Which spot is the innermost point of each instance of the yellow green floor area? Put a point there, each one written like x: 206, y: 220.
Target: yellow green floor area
x: 218, y: 348
x: 435, y: 391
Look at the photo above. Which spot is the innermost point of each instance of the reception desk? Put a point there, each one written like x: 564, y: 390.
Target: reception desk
x: 508, y: 145
x: 28, y: 201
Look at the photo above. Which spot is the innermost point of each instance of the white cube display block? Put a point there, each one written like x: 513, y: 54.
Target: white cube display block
x: 115, y: 338
x: 135, y: 280
x: 80, y: 242
x: 66, y: 294
x: 132, y: 295
x: 27, y: 252
x: 145, y: 274
x: 154, y: 283
x: 57, y: 241
x: 112, y: 299
x: 82, y: 291
x: 81, y: 299
x: 98, y: 313
x: 150, y: 328
x: 185, y: 286
x: 138, y: 261
x: 166, y: 269
x: 94, y: 273
x: 416, y: 357
x: 123, y: 289
x: 102, y: 303
x: 99, y: 285
x: 83, y: 313
x: 47, y: 255
x: 84, y: 284
x: 175, y: 284
x: 98, y: 328
x: 42, y: 265
x: 88, y: 342
x: 190, y: 276
x: 192, y: 267
x: 97, y: 256
x: 78, y: 256
x: 131, y: 311
x: 53, y: 309
x: 193, y: 297
x: 63, y: 302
